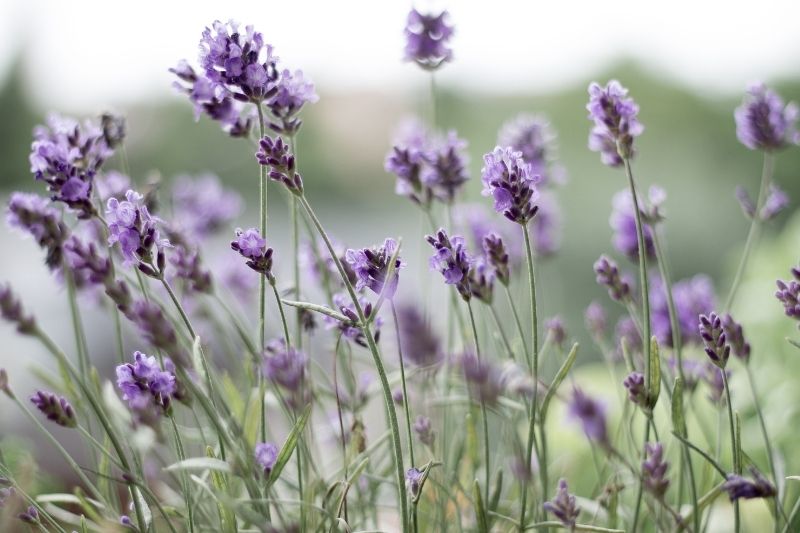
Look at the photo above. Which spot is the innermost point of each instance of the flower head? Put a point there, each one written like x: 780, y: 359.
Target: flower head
x: 33, y: 214
x: 424, y: 430
x: 145, y: 385
x: 714, y: 339
x: 740, y: 487
x: 788, y: 294
x: 11, y: 310
x: 451, y: 260
x: 608, y: 275
x: 202, y: 206
x: 350, y: 329
x: 485, y: 380
x: 497, y: 256
x: 56, y: 408
x: 427, y: 38
x: 481, y: 279
x: 735, y: 335
x: 654, y: 470
x: 563, y: 505
x: 595, y: 319
x: 266, y: 454
x: 275, y: 153
x: 136, y: 231
x: 776, y: 201
x: 634, y: 383
x: 420, y: 344
x: 763, y: 122
x: 591, y: 414
x: 285, y: 366
x: 413, y: 482
x: 371, y: 267
x: 508, y: 179
x: 445, y: 172
x: 692, y: 297
x: 623, y: 222
x: 533, y: 137
x: 293, y: 91
x: 253, y: 247
x: 615, y: 123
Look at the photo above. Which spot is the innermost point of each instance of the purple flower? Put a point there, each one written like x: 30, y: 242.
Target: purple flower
x: 735, y: 335
x: 253, y: 247
x: 627, y: 329
x: 776, y: 201
x: 546, y: 226
x: 615, y: 122
x: 371, y: 267
x: 11, y: 310
x: 714, y: 339
x: 30, y: 515
x: 654, y: 470
x: 293, y: 91
x: 189, y: 268
x: 534, y: 138
x: 711, y: 375
x: 591, y: 414
x: 427, y: 38
x: 740, y: 487
x: 788, y: 294
x: 285, y: 366
x: 476, y: 221
x: 451, y: 261
x: 212, y: 99
x: 693, y: 296
x: 420, y: 344
x: 66, y: 155
x: 144, y: 385
x: 623, y: 222
x: 563, y: 505
x: 595, y: 319
x: 481, y: 280
x: 350, y: 329
x: 485, y: 381
x: 239, y: 61
x: 497, y: 256
x: 555, y: 328
x: 32, y: 214
x: 763, y: 122
x: 445, y: 172
x: 407, y: 160
x: 154, y: 327
x: 274, y: 153
x: 202, y: 206
x: 608, y: 275
x: 266, y: 454
x: 56, y: 408
x: 424, y: 430
x: 131, y: 225
x: 413, y: 482
x: 634, y: 384
x: 508, y: 179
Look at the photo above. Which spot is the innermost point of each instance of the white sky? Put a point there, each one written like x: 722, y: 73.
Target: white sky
x: 93, y: 53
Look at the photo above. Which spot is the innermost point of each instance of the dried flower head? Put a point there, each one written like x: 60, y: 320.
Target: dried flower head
x: 763, y: 122
x: 427, y: 38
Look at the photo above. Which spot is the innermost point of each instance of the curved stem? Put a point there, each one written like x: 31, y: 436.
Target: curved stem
x: 486, y: 451
x: 373, y: 348
x: 534, y: 366
x: 752, y: 235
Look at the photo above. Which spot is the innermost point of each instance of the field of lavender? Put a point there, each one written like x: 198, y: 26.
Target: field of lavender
x: 275, y: 378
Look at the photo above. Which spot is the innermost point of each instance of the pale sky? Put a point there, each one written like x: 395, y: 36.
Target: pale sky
x: 94, y: 53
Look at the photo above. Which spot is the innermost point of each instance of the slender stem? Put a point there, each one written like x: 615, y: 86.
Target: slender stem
x: 765, y: 434
x: 501, y: 331
x: 286, y: 336
x: 403, y: 381
x: 293, y: 215
x: 434, y: 118
x: 178, y: 306
x: 520, y: 330
x: 486, y: 451
x: 734, y: 451
x: 373, y: 348
x: 640, y: 492
x: 262, y: 282
x: 752, y: 235
x: 534, y: 365
x: 186, y: 488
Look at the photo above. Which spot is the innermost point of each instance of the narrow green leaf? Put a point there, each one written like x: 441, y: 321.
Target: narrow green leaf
x: 560, y: 375
x: 497, y: 491
x: 738, y: 461
x: 308, y: 306
x: 197, y: 360
x: 480, y: 512
x: 288, y: 447
x: 793, y: 478
x: 654, y: 384
x: 200, y: 463
x: 84, y: 525
x: 678, y: 420
x: 226, y: 516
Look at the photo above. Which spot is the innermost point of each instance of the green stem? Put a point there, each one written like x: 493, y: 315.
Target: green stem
x: 640, y: 492
x: 293, y: 215
x: 262, y: 282
x: 486, y: 450
x: 734, y: 451
x: 752, y: 235
x: 514, y: 312
x: 186, y: 489
x: 403, y: 382
x: 373, y: 348
x: 534, y: 365
x: 178, y: 306
x: 765, y: 434
x: 501, y: 331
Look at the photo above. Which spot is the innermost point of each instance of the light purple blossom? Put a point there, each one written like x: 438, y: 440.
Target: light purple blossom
x: 763, y: 122
x: 591, y: 414
x: 134, y: 229
x: 266, y: 454
x: 615, y: 123
x: 451, y: 260
x: 202, y: 206
x: 292, y: 91
x: 507, y: 178
x: 371, y: 266
x: 563, y: 505
x: 534, y: 138
x: 623, y: 222
x: 693, y: 297
x: 145, y: 385
x: 427, y: 38
x: 253, y: 247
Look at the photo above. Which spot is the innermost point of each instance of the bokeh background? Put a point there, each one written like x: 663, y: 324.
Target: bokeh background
x: 687, y: 65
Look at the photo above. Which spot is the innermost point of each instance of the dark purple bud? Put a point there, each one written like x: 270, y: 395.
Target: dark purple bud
x: 371, y: 267
x: 56, y: 408
x: 634, y: 383
x: 424, y: 430
x: 591, y: 414
x: 29, y: 516
x: 714, y: 339
x: 33, y: 214
x: 274, y: 153
x: 608, y: 276
x: 253, y: 247
x: 451, y: 260
x: 421, y: 346
x: 740, y: 487
x: 496, y: 253
x: 11, y: 310
x: 735, y: 335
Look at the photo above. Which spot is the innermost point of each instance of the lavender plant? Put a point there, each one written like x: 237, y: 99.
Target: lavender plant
x: 233, y: 415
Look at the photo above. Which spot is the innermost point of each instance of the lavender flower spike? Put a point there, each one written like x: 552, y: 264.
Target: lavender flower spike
x: 763, y: 122
x: 131, y: 225
x: 608, y: 276
x: 274, y: 153
x: 591, y: 415
x: 714, y: 339
x: 534, y: 138
x: 371, y: 266
x: 420, y: 344
x: 595, y: 319
x: 634, y: 384
x: 56, y: 408
x: 623, y: 222
x: 266, y: 454
x: 427, y: 39
x: 615, y: 123
x: 34, y: 214
x: 451, y: 260
x: 497, y: 255
x: 12, y: 311
x: 508, y: 179
x: 654, y: 469
x: 413, y: 482
x: 293, y: 91
x: 563, y: 506
x: 735, y: 335
x: 740, y: 487
x: 788, y: 294
x: 445, y: 173
x: 253, y: 247
x: 424, y: 430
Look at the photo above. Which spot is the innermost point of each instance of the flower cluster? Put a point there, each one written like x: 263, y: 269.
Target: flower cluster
x: 371, y: 267
x: 619, y: 288
x: 266, y: 454
x: 738, y: 486
x: 615, y: 123
x: 533, y: 137
x: 788, y: 294
x: 286, y: 366
x: 508, y: 179
x: 776, y: 201
x: 623, y: 222
x: 253, y: 247
x: 131, y: 225
x: 274, y: 153
x: 427, y: 38
x: 351, y: 329
x: 33, y: 214
x: 145, y: 386
x: 692, y: 297
x: 66, y: 155
x: 591, y: 414
x: 564, y: 506
x: 763, y: 122
x: 293, y: 91
x: 421, y: 346
x: 714, y: 339
x: 654, y: 470
x: 451, y: 260
x: 56, y: 408
x: 202, y: 206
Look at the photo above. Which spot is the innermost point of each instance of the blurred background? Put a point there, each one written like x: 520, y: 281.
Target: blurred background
x: 687, y: 65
